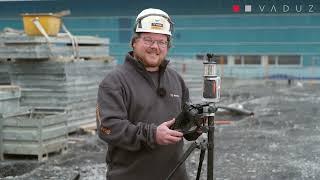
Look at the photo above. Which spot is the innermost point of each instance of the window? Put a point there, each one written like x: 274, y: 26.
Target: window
x: 252, y: 59
x: 237, y: 60
x: 284, y: 60
x: 289, y: 60
x: 221, y: 59
x: 272, y: 60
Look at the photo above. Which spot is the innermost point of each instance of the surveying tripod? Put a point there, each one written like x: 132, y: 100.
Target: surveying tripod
x: 202, y: 143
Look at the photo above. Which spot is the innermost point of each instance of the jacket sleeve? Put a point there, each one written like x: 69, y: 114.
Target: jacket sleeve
x: 113, y: 126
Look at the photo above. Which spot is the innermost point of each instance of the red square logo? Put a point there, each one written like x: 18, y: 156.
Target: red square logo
x: 236, y: 8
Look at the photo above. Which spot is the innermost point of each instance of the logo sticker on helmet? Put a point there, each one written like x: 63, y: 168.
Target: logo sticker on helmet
x: 156, y: 26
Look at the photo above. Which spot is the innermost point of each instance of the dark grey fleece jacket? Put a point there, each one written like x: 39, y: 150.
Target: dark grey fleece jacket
x: 128, y: 111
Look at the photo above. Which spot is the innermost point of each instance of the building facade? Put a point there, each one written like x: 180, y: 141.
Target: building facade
x: 252, y: 33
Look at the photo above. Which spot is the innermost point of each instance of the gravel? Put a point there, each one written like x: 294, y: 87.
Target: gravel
x: 281, y: 141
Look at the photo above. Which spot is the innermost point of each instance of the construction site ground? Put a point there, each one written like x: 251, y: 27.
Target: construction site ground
x: 281, y: 141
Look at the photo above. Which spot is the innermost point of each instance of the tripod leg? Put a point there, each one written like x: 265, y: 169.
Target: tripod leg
x: 202, y: 153
x: 210, y: 150
x: 184, y: 157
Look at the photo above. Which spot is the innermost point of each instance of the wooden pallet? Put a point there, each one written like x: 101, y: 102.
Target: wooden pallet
x: 90, y: 128
x: 41, y: 157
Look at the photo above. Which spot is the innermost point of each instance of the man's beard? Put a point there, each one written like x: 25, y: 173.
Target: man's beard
x: 147, y: 63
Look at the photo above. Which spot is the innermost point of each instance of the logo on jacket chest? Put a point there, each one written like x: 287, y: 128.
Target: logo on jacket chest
x: 174, y: 95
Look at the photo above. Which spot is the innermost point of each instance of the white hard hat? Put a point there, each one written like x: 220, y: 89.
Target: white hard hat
x: 154, y: 21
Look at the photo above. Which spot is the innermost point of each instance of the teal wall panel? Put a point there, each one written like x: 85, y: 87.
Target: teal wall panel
x: 91, y: 22
x: 247, y: 49
x: 234, y: 21
x: 15, y: 23
x: 250, y: 35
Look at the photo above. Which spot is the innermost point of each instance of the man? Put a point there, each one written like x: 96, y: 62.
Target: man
x: 137, y: 103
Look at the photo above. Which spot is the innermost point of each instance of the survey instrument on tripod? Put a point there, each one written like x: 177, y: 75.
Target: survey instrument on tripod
x: 196, y: 119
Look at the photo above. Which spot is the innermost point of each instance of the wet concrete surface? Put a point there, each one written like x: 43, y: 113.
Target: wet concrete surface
x: 281, y: 141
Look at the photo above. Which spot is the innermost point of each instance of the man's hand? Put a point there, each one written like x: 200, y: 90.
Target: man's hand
x: 165, y: 136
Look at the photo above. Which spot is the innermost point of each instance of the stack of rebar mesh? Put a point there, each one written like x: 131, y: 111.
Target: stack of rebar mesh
x: 58, y: 74
x: 69, y: 85
x: 58, y: 81
x: 4, y: 74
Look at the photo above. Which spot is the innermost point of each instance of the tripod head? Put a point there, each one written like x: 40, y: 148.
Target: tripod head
x: 191, y: 121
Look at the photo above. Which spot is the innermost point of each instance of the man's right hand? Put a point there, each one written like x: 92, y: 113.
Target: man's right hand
x: 165, y: 135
